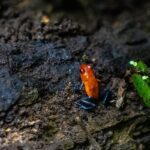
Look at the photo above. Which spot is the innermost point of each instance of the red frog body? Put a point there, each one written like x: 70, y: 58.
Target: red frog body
x: 91, y: 86
x: 89, y: 80
x: 92, y: 89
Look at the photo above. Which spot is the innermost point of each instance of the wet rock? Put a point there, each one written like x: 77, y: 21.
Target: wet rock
x: 26, y: 55
x: 110, y: 46
x: 48, y: 63
x: 66, y: 27
x: 59, y: 55
x: 77, y: 44
x: 10, y: 89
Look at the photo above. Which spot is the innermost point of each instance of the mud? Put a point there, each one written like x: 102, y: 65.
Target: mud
x: 39, y: 75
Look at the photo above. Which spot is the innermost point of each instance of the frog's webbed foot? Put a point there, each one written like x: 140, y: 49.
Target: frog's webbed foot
x: 87, y: 103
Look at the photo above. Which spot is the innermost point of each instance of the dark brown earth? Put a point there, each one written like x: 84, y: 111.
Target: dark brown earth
x: 39, y: 74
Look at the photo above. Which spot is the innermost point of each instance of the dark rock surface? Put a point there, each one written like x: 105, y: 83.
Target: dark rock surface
x: 10, y: 89
x: 46, y: 61
x: 117, y: 46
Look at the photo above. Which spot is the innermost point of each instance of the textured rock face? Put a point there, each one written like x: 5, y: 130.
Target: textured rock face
x: 112, y: 48
x: 49, y: 65
x: 10, y: 89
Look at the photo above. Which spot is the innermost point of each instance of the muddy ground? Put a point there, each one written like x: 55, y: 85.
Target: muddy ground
x: 39, y: 74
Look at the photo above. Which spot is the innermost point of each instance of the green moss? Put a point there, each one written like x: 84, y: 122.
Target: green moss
x: 68, y: 144
x: 51, y: 128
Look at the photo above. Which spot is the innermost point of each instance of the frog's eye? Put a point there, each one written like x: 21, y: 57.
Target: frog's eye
x: 89, y: 66
x: 82, y: 70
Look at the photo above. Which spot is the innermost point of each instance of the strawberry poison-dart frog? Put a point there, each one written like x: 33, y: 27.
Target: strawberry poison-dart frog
x: 91, y: 86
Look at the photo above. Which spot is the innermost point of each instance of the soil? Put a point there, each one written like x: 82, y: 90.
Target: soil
x: 40, y: 78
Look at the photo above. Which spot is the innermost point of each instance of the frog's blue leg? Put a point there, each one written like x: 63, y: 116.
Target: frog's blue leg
x: 81, y: 86
x: 78, y: 88
x: 87, y: 103
x: 105, y: 97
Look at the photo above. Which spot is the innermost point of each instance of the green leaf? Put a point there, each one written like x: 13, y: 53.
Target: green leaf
x: 139, y: 65
x: 142, y: 88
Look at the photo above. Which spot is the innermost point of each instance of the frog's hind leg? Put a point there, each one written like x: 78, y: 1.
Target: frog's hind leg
x: 86, y: 103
